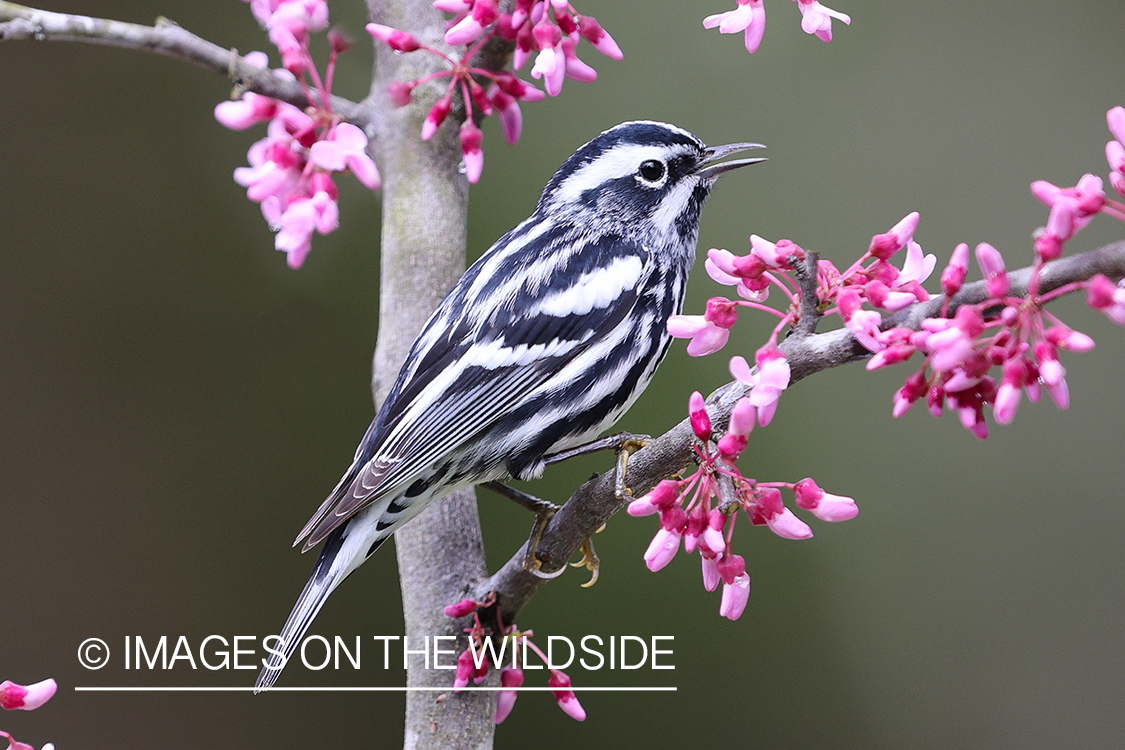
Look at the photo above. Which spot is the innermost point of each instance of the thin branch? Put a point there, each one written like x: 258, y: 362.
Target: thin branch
x: 18, y: 22
x: 594, y: 502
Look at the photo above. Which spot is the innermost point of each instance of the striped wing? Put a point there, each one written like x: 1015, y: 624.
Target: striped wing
x: 511, y: 324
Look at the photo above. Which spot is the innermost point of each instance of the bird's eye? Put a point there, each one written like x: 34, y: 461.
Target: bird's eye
x: 651, y: 170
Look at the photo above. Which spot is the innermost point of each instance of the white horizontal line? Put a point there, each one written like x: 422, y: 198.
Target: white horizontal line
x: 368, y: 689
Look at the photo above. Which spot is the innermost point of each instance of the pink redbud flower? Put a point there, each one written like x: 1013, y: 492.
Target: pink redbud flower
x: 951, y: 341
x: 14, y: 744
x: 749, y: 17
x: 248, y: 111
x: 736, y: 586
x: 472, y: 26
x: 471, y: 139
x: 741, y: 423
x: 736, y: 594
x: 346, y: 148
x: 664, y: 495
x: 300, y: 17
x: 992, y: 267
x: 883, y: 246
x: 510, y: 677
x: 465, y: 670
x: 721, y: 266
x: 954, y: 274
x: 917, y: 267
x: 461, y: 608
x: 454, y: 6
x: 1010, y: 390
x: 767, y: 383
x: 565, y: 696
x: 575, y: 68
x: 892, y: 355
x: 26, y: 697
x: 913, y: 389
x: 663, y: 548
x: 1115, y: 149
x: 295, y: 229
x: 593, y: 33
x: 818, y: 19
x: 713, y: 533
x: 863, y: 324
x: 508, y: 109
x: 400, y: 41
x: 879, y: 295
x: 550, y: 63
x: 711, y: 575
x: 436, y: 116
x: 1052, y: 373
x: 708, y: 332
x: 771, y: 511
x: 776, y: 254
x: 1071, y: 208
x: 825, y: 506
x: 700, y: 422
x: 1102, y: 294
x: 400, y: 93
x: 696, y: 523
x: 1115, y: 118
x: 1068, y: 339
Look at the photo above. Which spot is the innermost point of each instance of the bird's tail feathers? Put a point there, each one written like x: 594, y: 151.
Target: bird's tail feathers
x: 344, y: 550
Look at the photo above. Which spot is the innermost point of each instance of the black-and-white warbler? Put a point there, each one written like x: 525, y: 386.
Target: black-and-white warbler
x: 544, y: 343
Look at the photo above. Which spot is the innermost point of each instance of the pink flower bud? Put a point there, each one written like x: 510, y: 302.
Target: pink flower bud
x: 436, y: 116
x: 713, y: 533
x: 1070, y: 340
x: 471, y: 139
x: 711, y: 576
x: 400, y: 93
x: 992, y: 266
x: 1115, y: 119
x: 465, y: 669
x: 27, y: 698
x: 400, y: 41
x: 954, y: 274
x: 662, y: 496
x: 825, y: 506
x: 1100, y: 292
x: 721, y: 312
x: 662, y: 549
x: 696, y: 523
x: 511, y: 118
x: 736, y: 595
x: 885, y: 245
x: 593, y: 33
x: 674, y: 518
x: 700, y: 422
x: 461, y: 608
x: 510, y: 677
x: 565, y: 697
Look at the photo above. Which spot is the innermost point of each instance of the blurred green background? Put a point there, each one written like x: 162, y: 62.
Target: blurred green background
x: 174, y: 401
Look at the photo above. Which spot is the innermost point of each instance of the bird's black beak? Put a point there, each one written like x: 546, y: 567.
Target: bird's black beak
x: 708, y: 169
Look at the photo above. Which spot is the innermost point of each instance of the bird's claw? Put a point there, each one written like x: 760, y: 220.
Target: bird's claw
x: 589, y: 561
x: 630, y: 445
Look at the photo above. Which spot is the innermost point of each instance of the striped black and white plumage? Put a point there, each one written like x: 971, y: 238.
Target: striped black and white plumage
x: 544, y: 343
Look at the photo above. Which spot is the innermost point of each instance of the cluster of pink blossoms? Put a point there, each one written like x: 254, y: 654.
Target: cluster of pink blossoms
x: 551, y: 29
x: 715, y: 493
x: 474, y: 662
x: 1015, y: 334
x: 26, y: 698
x: 290, y: 172
x: 750, y: 18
